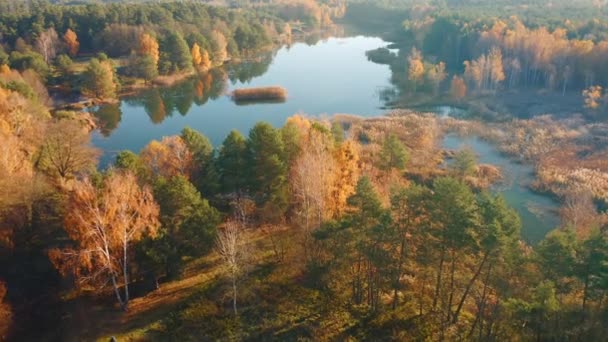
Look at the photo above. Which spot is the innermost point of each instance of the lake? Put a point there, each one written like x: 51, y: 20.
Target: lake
x: 332, y: 76
x: 327, y: 77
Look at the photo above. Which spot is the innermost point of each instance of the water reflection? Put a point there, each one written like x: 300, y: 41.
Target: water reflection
x: 330, y: 76
x: 108, y: 118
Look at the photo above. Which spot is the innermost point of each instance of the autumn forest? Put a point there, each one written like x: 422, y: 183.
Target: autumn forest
x: 471, y: 204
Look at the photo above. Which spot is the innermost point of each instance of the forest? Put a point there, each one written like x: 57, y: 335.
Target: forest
x: 325, y: 228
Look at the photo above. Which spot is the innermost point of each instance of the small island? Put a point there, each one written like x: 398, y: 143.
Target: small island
x: 260, y: 94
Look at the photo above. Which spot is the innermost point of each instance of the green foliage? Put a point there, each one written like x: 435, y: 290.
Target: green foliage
x: 188, y: 222
x: 99, y: 80
x: 174, y: 54
x: 29, y: 60
x: 232, y: 164
x: 205, y: 176
x: 127, y: 160
x: 64, y: 64
x: 464, y: 163
x: 268, y: 170
x: 143, y: 67
x: 19, y: 87
x: 394, y: 155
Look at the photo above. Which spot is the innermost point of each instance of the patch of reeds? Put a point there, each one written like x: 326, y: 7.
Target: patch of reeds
x: 278, y: 94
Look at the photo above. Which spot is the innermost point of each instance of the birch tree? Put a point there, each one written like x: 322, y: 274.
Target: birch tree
x: 230, y: 245
x: 103, y: 224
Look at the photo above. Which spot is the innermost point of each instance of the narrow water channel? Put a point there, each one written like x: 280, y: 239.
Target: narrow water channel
x: 539, y: 213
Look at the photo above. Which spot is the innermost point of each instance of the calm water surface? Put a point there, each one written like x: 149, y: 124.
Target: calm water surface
x: 538, y: 212
x: 331, y: 76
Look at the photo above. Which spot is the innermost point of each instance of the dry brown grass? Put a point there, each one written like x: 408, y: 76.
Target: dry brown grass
x: 260, y: 94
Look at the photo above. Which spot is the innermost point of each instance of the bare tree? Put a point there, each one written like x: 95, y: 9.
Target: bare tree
x: 47, y: 44
x: 230, y: 245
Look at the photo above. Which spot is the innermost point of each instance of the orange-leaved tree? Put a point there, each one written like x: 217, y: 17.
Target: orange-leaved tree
x: 168, y: 157
x: 71, y: 40
x: 148, y: 46
x: 103, y: 223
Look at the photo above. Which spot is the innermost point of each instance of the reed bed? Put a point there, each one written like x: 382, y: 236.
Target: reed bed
x: 259, y: 94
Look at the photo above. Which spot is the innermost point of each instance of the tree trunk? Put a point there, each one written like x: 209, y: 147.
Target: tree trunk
x: 398, y: 275
x: 451, y: 297
x: 234, y: 295
x: 125, y: 271
x: 469, y: 285
x: 117, y: 292
x: 439, y: 273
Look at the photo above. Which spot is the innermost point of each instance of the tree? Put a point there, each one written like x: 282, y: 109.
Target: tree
x: 188, y: 222
x: 436, y: 74
x: 455, y: 219
x: 200, y: 58
x: 103, y: 224
x: 592, y: 96
x: 219, y: 44
x: 231, y: 164
x: 416, y: 67
x: 148, y: 46
x: 409, y: 211
x: 205, y: 64
x: 464, y: 163
x: 312, y: 178
x: 230, y: 244
x: 144, y: 67
x: 204, y: 174
x: 71, y: 40
x: 64, y: 65
x: 67, y: 150
x: 458, y: 88
x: 347, y: 175
x: 498, y: 232
x: 393, y: 155
x: 268, y: 170
x: 47, y: 44
x: 99, y: 81
x: 175, y: 55
x: 168, y: 157
x: 369, y: 230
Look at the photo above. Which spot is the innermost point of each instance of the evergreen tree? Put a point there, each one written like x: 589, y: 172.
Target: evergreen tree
x: 394, y: 155
x: 231, y: 164
x: 268, y: 169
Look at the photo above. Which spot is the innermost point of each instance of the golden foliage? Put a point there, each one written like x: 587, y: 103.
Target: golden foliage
x: 347, y: 174
x: 458, y: 88
x: 168, y: 157
x: 148, y: 46
x: 4, y: 70
x: 196, y: 55
x: 593, y: 96
x: 71, y: 40
x: 103, y: 223
x: 416, y: 66
x: 313, y: 174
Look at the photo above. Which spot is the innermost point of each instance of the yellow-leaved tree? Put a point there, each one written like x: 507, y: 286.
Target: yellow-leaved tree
x: 168, y: 157
x: 148, y: 46
x: 71, y: 41
x: 103, y: 223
